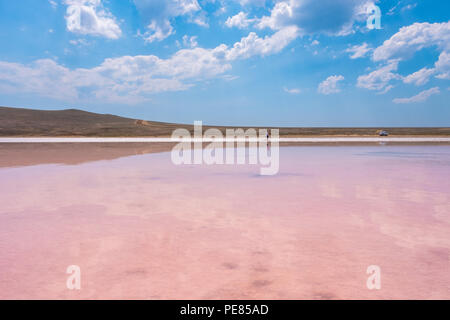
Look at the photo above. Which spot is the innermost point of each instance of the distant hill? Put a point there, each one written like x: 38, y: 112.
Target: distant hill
x: 73, y: 122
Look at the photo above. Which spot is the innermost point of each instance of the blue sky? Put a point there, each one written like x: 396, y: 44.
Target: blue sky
x: 234, y: 62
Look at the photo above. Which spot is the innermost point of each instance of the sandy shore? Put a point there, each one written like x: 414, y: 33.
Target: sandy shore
x: 168, y: 140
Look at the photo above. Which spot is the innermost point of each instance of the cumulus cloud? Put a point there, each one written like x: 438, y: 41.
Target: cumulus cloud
x: 89, y: 17
x: 330, y: 85
x: 422, y: 96
x: 441, y: 71
x: 280, y: 16
x: 125, y: 79
x: 131, y: 79
x: 380, y: 78
x: 43, y: 77
x: 157, y: 31
x: 420, y: 77
x: 252, y: 45
x: 334, y: 17
x: 442, y: 66
x: 190, y: 41
x: 239, y: 20
x: 414, y: 38
x: 158, y: 16
x: 359, y: 51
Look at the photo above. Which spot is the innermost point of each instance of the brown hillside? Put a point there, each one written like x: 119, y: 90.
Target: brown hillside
x: 72, y: 122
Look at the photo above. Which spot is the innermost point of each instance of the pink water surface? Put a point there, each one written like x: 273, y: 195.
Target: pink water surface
x: 141, y: 228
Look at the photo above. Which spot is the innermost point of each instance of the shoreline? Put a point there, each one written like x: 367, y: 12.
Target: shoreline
x: 24, y: 153
x: 170, y: 140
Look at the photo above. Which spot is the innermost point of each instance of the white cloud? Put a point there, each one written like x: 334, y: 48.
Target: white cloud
x: 334, y: 17
x: 359, y: 51
x: 229, y: 77
x: 44, y: 77
x: 422, y: 96
x: 200, y: 20
x: 420, y: 77
x: 190, y: 42
x: 405, y: 8
x: 252, y: 45
x: 386, y: 89
x: 258, y: 3
x: 442, y: 66
x: 315, y: 43
x: 280, y: 16
x: 221, y: 10
x: 239, y: 20
x: 292, y: 91
x: 159, y: 15
x: 79, y: 42
x: 53, y: 3
x: 409, y: 6
x: 414, y: 38
x: 392, y: 10
x: 330, y: 85
x: 380, y: 78
x: 131, y: 79
x: 157, y: 31
x: 126, y: 79
x: 89, y: 17
x: 403, y: 45
x: 441, y: 71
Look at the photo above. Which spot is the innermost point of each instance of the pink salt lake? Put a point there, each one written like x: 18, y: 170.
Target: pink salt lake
x: 140, y: 227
